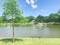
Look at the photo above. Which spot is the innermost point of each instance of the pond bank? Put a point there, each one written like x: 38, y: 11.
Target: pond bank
x: 28, y: 24
x: 16, y: 24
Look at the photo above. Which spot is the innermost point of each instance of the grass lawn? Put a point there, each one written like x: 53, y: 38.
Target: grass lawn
x: 31, y: 41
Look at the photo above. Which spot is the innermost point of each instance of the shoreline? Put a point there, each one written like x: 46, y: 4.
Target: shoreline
x: 27, y: 24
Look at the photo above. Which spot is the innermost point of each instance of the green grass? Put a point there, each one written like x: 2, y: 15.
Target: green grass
x: 31, y: 41
x: 16, y: 24
x: 27, y: 24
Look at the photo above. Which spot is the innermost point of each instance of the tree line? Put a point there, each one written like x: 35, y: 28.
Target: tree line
x: 53, y: 17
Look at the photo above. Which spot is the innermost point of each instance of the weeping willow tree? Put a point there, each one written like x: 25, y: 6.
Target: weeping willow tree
x: 11, y: 11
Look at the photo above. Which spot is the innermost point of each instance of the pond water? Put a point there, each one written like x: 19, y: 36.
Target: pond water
x: 48, y: 31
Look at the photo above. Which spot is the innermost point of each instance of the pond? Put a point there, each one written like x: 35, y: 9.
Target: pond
x: 48, y: 31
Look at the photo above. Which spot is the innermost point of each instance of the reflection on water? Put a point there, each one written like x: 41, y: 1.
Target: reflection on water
x: 31, y: 31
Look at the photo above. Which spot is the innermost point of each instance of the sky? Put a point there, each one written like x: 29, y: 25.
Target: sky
x: 36, y: 7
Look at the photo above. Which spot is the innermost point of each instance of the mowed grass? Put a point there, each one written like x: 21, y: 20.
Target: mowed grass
x: 31, y: 41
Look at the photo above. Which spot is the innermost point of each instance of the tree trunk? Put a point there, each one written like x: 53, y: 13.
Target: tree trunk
x: 13, y: 31
x: 13, y: 34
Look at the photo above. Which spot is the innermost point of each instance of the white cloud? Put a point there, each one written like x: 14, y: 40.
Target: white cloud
x: 27, y: 1
x: 34, y: 6
x: 32, y: 3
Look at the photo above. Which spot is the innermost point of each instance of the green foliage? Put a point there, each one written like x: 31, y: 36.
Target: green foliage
x: 20, y: 19
x: 46, y: 19
x: 30, y: 18
x: 11, y: 9
x: 53, y: 17
x: 3, y: 19
x: 58, y: 12
x: 39, y: 18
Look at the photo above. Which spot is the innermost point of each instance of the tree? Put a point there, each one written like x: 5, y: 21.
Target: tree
x: 53, y: 17
x: 46, y: 19
x: 58, y: 12
x: 1, y: 20
x: 11, y: 10
x: 30, y: 18
x: 20, y: 19
x: 39, y: 18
